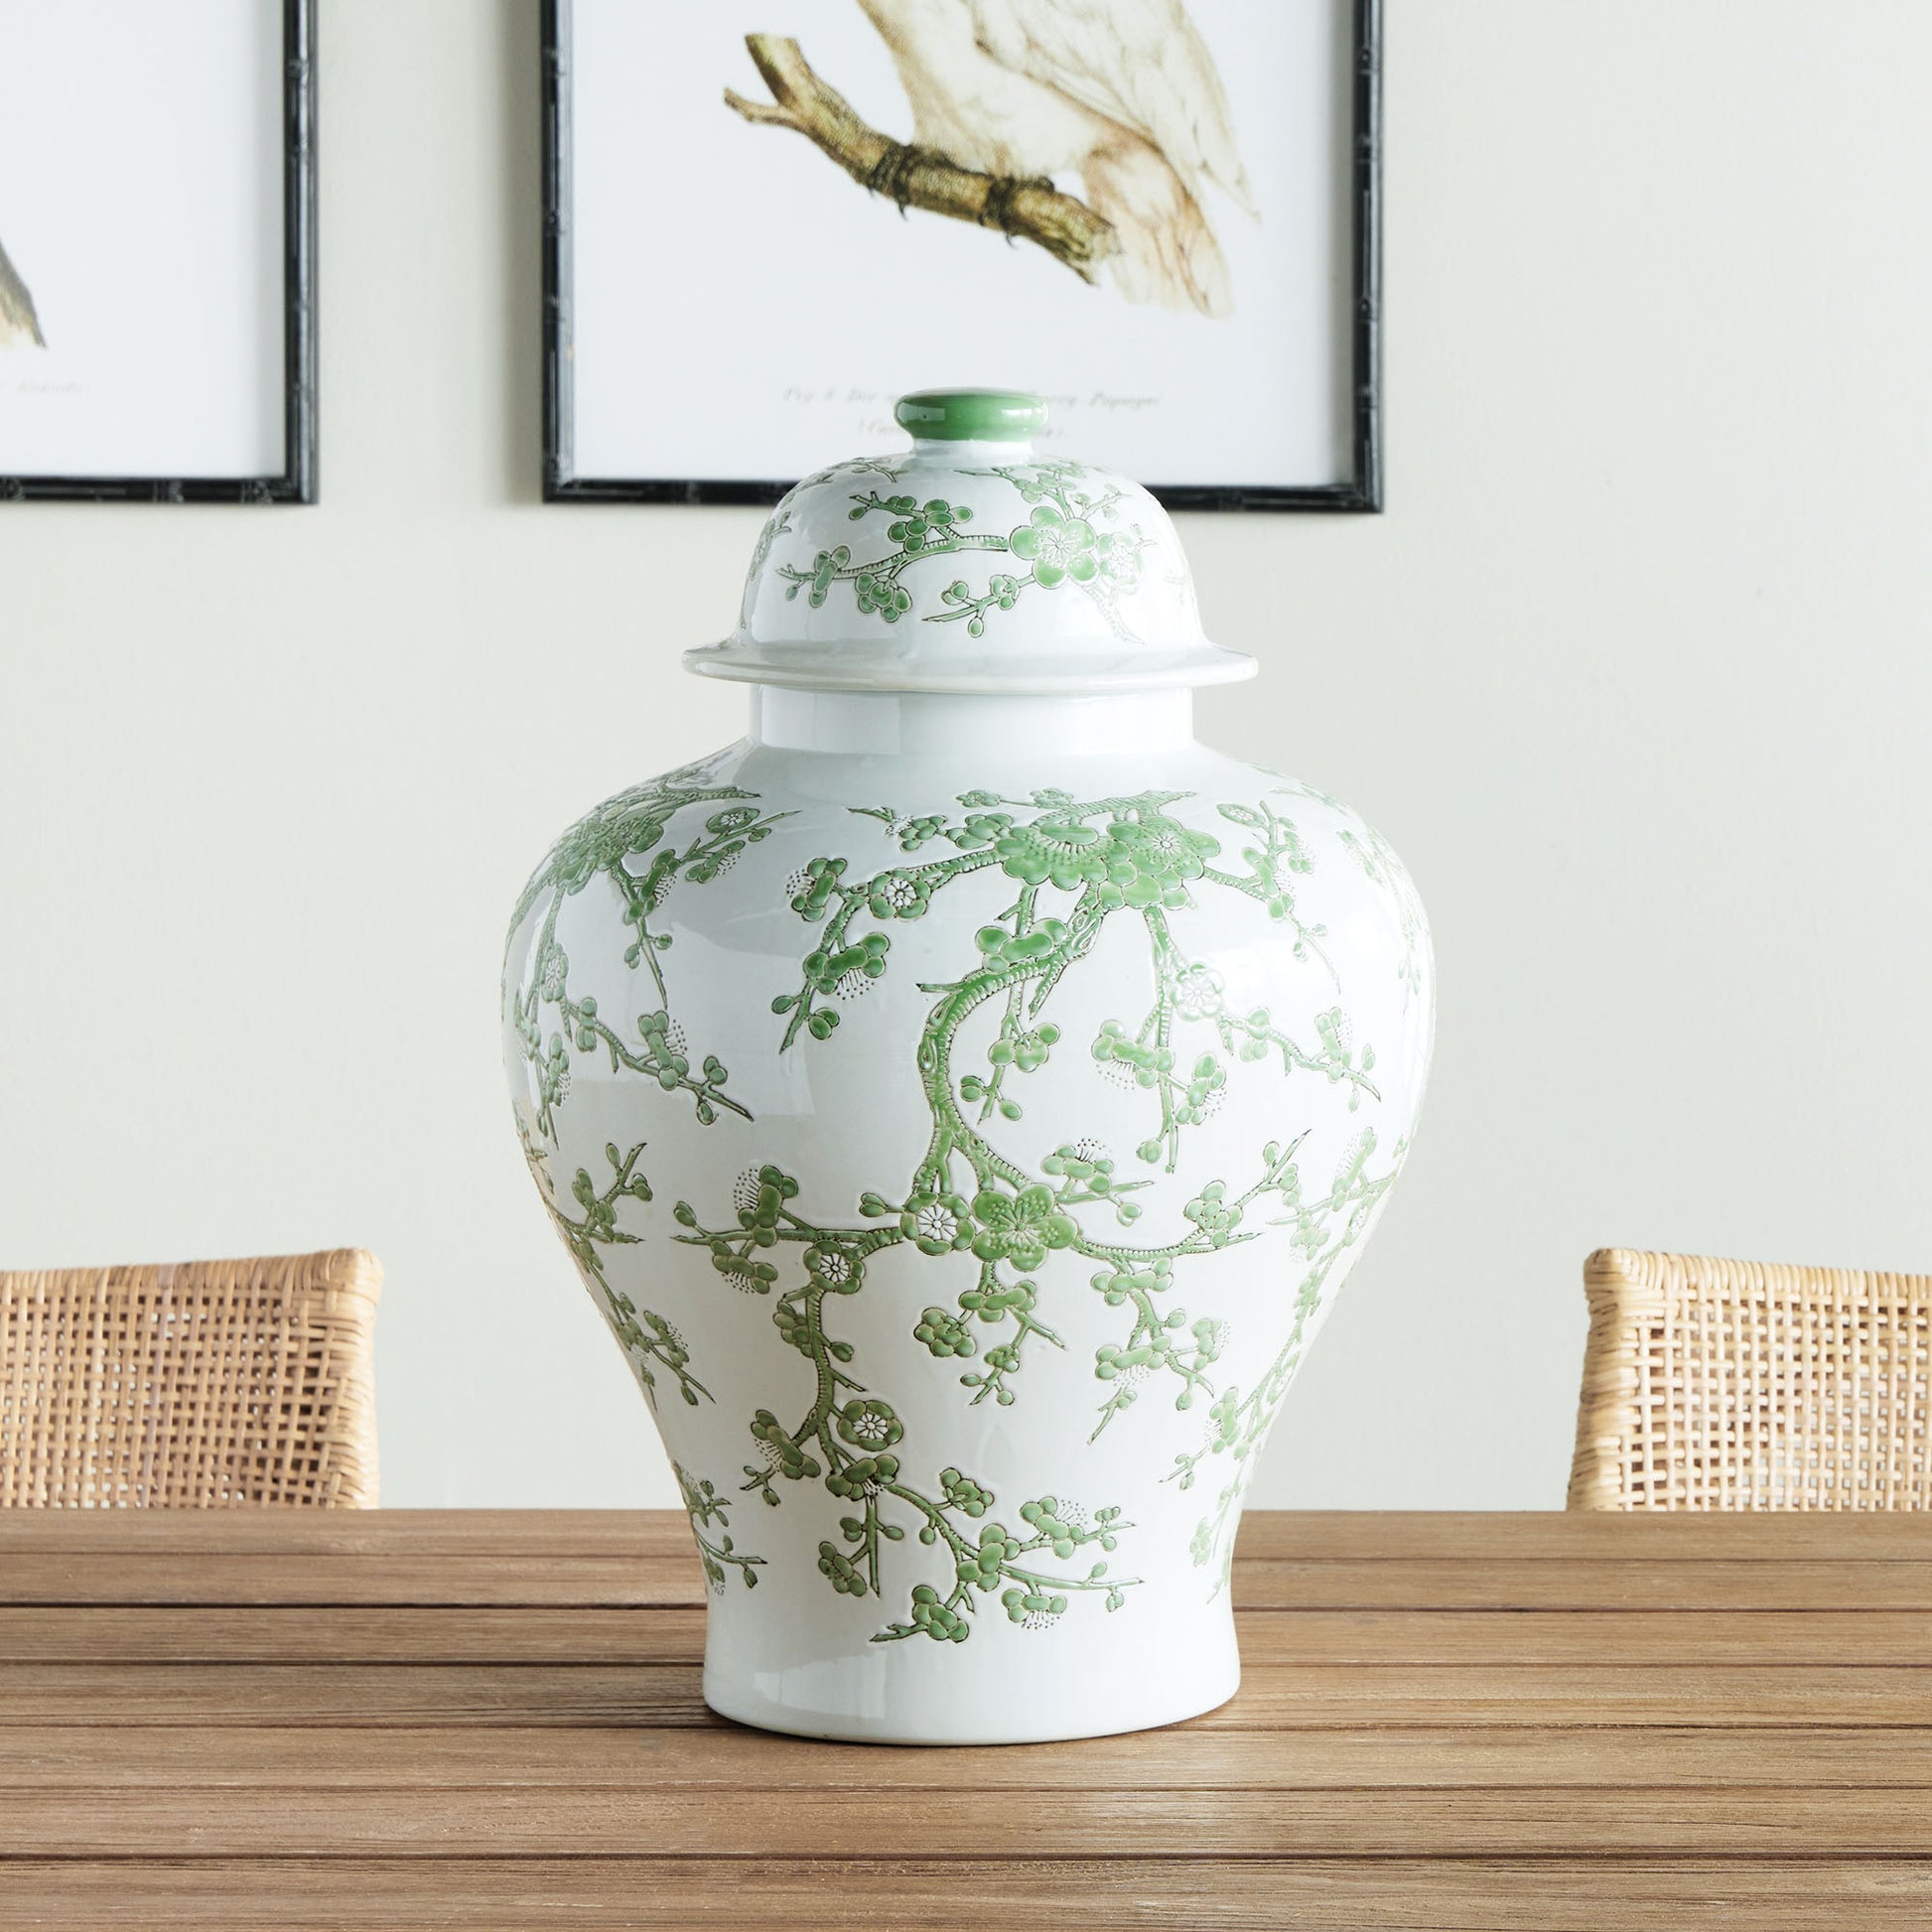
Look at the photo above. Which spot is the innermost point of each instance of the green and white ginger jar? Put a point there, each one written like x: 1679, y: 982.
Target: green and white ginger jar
x: 964, y: 1097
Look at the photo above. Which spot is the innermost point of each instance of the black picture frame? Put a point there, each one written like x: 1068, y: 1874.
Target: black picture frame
x: 297, y: 481
x: 1362, y: 492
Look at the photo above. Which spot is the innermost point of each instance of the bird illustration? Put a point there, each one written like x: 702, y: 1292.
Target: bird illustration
x: 20, y: 327
x: 1123, y: 93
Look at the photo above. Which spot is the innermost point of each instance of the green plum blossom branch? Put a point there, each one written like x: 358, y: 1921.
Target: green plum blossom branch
x: 919, y: 530
x: 644, y: 1336
x: 848, y: 1436
x: 1271, y: 866
x: 602, y: 845
x: 711, y: 1525
x: 1239, y: 1424
x: 1059, y: 543
x: 965, y: 1194
x: 660, y: 1054
x: 1373, y: 853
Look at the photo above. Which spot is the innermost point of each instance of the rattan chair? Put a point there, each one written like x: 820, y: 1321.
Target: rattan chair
x: 204, y: 1385
x: 1751, y: 1385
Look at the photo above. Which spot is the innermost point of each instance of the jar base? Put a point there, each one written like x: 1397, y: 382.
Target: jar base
x: 836, y: 1702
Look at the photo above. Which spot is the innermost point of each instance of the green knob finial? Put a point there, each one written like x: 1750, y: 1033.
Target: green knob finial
x: 972, y: 415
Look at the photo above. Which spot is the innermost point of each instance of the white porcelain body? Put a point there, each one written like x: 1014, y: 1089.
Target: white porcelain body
x: 1255, y: 932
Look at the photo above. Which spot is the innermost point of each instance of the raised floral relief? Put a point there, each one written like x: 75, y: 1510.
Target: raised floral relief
x: 1072, y: 866
x: 1070, y: 535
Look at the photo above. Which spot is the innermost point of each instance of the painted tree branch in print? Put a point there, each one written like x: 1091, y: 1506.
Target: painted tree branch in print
x: 20, y: 326
x: 1007, y: 99
x: 1034, y: 210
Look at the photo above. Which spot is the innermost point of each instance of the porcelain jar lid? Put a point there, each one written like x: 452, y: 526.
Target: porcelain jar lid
x: 969, y: 564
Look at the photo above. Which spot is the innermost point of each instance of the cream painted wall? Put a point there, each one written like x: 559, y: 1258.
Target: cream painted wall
x: 1633, y: 673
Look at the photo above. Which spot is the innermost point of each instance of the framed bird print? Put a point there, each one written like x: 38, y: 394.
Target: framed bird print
x: 156, y: 251
x: 767, y: 218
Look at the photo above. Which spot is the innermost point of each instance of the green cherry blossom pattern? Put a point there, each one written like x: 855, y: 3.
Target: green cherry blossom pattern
x: 855, y: 1440
x: 1057, y: 547
x: 606, y: 848
x: 1021, y: 1228
x: 1075, y: 864
x: 1073, y: 534
x: 1070, y: 867
x: 650, y: 1343
x: 710, y: 1515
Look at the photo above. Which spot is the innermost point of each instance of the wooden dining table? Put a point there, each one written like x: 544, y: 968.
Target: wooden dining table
x: 486, y: 1718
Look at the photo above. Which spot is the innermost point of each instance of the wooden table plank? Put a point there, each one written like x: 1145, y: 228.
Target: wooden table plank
x: 552, y: 1821
x: 651, y: 1895
x: 1477, y: 1583
x: 1761, y: 1536
x: 361, y: 1634
x: 517, y: 1535
x: 327, y: 1695
x: 1610, y: 1638
x: 574, y: 1634
x: 1272, y: 1697
x: 329, y: 1578
x: 1549, y: 1721
x: 729, y: 1758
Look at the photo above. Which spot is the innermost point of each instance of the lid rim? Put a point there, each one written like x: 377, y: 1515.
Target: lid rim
x: 1191, y: 666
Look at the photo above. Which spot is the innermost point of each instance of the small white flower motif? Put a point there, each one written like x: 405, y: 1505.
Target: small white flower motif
x: 770, y: 1455
x: 552, y: 970
x: 1122, y: 568
x: 834, y: 1268
x: 741, y: 1277
x: 936, y: 1221
x: 1055, y: 547
x: 1117, y: 1073
x: 1089, y: 1149
x: 900, y: 893
x: 1197, y: 993
x: 874, y: 1432
x: 745, y: 1190
x: 674, y: 1039
x: 1132, y: 1378
x: 1039, y: 1619
x: 1168, y: 847
x: 1075, y: 1516
x: 854, y: 985
x: 797, y: 882
x: 560, y: 1084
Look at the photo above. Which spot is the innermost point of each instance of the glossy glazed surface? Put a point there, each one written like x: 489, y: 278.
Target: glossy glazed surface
x: 965, y: 1140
